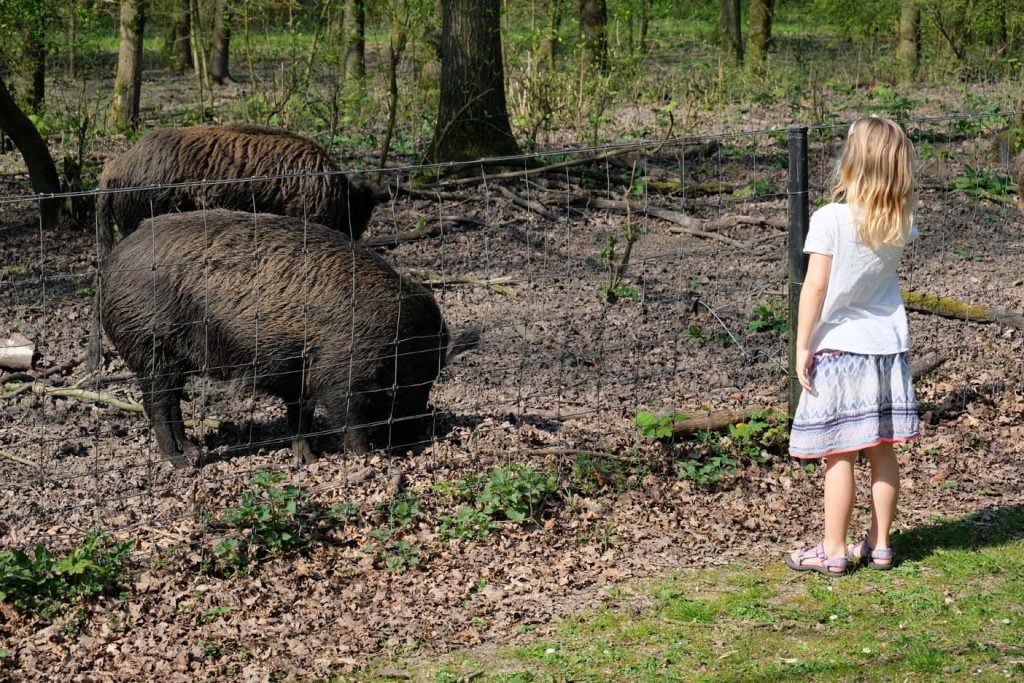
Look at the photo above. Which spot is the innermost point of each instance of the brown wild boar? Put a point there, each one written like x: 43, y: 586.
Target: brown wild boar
x: 289, y: 307
x: 176, y: 158
x: 169, y: 161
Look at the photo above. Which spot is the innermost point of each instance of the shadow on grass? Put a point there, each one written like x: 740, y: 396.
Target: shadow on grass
x: 989, y: 527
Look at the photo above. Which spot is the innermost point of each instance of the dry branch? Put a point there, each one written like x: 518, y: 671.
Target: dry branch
x: 685, y: 224
x: 499, y: 284
x: 434, y: 229
x: 536, y: 207
x: 72, y: 392
x: 23, y: 461
x: 958, y: 310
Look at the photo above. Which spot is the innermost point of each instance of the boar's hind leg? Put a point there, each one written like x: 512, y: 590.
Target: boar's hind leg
x: 300, y: 422
x: 162, y: 399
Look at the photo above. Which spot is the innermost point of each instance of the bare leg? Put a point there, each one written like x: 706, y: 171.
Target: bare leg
x: 839, y: 496
x: 885, y: 491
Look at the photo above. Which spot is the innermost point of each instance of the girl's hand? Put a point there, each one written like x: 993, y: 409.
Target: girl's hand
x: 804, y: 368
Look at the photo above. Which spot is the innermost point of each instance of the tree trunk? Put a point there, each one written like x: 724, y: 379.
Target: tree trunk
x: 472, y: 118
x: 760, y: 30
x: 180, y: 55
x: 124, y: 108
x: 355, y: 39
x: 549, y: 35
x: 37, y: 55
x: 42, y: 172
x: 594, y: 32
x: 908, y: 45
x: 218, y: 65
x: 645, y: 20
x: 729, y: 28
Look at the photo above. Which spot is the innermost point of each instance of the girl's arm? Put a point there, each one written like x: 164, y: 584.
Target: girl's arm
x: 812, y: 296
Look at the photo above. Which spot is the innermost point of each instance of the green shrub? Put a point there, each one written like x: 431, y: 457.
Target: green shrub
x: 654, y: 426
x: 42, y: 584
x: 770, y: 316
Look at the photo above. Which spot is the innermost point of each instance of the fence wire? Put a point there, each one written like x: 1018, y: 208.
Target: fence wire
x: 576, y: 340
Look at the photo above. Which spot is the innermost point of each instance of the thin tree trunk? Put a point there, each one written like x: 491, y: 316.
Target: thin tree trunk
x: 549, y: 35
x: 181, y: 37
x: 472, y: 118
x: 42, y: 172
x: 759, y: 38
x: 645, y: 21
x: 729, y: 27
x: 218, y: 65
x: 355, y: 39
x: 908, y: 45
x: 594, y: 32
x: 37, y: 55
x: 124, y: 107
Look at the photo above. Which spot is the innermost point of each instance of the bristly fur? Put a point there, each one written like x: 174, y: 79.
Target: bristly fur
x: 213, y: 154
x: 289, y: 307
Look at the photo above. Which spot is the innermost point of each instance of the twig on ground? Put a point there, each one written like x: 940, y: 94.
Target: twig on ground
x: 434, y: 229
x: 534, y: 206
x: 23, y: 461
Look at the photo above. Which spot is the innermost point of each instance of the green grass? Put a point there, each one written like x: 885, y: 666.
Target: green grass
x: 950, y: 610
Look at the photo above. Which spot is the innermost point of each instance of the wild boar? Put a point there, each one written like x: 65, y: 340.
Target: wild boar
x: 292, y: 308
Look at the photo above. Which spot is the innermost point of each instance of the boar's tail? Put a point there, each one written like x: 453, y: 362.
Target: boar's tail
x: 464, y: 341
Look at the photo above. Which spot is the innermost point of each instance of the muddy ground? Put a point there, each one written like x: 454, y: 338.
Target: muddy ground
x: 559, y: 372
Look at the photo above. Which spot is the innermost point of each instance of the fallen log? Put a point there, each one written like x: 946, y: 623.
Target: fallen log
x: 947, y: 307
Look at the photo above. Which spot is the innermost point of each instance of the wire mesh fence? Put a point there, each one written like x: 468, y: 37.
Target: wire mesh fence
x: 604, y: 282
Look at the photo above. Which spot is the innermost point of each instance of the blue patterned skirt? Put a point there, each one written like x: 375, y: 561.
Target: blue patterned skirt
x: 859, y: 401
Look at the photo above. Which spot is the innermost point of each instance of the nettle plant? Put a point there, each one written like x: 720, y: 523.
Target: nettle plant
x: 45, y: 585
x: 275, y: 519
x: 712, y: 456
x: 516, y: 493
x: 769, y: 316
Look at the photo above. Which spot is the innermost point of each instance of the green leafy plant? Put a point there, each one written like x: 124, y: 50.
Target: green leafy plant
x: 591, y: 473
x: 699, y: 336
x: 616, y: 288
x: 402, y: 510
x: 40, y: 583
x: 711, y: 462
x: 891, y: 102
x: 654, y: 426
x: 394, y: 553
x: 984, y: 184
x: 516, y: 493
x: 764, y: 432
x: 770, y: 316
x: 467, y: 522
x: 270, y: 513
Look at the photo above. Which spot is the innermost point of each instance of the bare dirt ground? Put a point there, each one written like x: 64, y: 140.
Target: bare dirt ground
x: 559, y: 371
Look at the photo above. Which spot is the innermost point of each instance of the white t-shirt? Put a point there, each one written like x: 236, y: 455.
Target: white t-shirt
x: 863, y: 309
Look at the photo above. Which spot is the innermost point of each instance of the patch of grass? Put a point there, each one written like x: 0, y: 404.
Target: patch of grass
x: 950, y: 610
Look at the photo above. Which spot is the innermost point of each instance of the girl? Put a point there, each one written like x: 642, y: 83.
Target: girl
x: 852, y: 342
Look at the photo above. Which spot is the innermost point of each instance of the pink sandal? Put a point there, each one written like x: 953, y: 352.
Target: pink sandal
x: 871, y: 555
x: 828, y: 564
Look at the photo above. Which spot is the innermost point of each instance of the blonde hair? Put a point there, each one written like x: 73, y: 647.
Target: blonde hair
x: 876, y: 178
